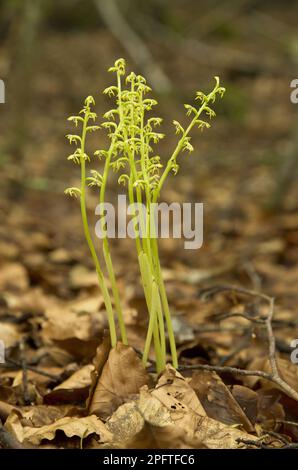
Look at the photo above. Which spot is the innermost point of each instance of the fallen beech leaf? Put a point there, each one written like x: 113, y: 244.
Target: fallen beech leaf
x: 60, y: 256
x: 59, y: 356
x: 248, y: 400
x: 32, y: 300
x: 81, y: 277
x: 125, y: 422
x: 5, y: 410
x: 175, y: 394
x: 62, y: 323
x: 153, y: 410
x: 194, y: 276
x: 13, y: 276
x: 40, y: 415
x: 216, y: 435
x: 287, y: 371
x: 161, y: 437
x: 217, y: 400
x: 146, y: 423
x: 122, y: 376
x: 197, y: 428
x: 66, y: 322
x: 36, y: 378
x: 173, y: 387
x: 8, y: 250
x: 80, y: 349
x: 270, y: 411
x: 99, y: 360
x: 9, y: 334
x: 71, y: 426
x: 74, y: 389
x: 90, y: 304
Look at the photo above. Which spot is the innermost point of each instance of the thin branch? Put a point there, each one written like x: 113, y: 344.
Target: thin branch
x: 263, y: 445
x: 11, y: 363
x: 228, y: 370
x: 274, y: 376
x: 246, y: 316
x: 246, y: 373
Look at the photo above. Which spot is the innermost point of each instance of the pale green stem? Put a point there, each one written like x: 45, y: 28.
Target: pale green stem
x: 154, y: 244
x: 106, y: 247
x: 101, y: 279
x: 176, y: 152
x: 147, y: 283
x: 165, y: 305
x: 148, y: 251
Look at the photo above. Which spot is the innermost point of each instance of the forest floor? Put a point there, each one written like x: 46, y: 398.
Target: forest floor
x: 60, y: 386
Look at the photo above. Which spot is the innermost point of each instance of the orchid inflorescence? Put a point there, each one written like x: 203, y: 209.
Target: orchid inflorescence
x: 133, y: 135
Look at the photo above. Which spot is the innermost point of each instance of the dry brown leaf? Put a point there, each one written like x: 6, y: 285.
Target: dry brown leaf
x: 122, y: 376
x: 174, y: 390
x: 9, y: 334
x: 79, y: 349
x: 74, y: 389
x: 40, y: 415
x: 8, y: 250
x: 248, y: 400
x: 60, y: 256
x: 287, y: 371
x: 66, y: 321
x: 81, y: 277
x: 5, y: 410
x: 270, y: 411
x: 195, y: 276
x: 152, y: 409
x: 71, y: 426
x: 161, y: 427
x: 99, y: 360
x: 90, y: 304
x: 125, y: 422
x: 216, y: 435
x: 13, y: 276
x: 146, y: 423
x: 179, y: 400
x: 161, y: 437
x: 75, y: 327
x: 218, y: 401
x: 58, y: 356
x: 32, y: 300
x: 198, y: 429
x: 34, y: 377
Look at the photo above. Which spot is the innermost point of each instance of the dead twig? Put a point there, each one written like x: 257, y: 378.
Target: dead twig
x: 11, y: 363
x: 268, y: 445
x: 246, y: 316
x: 274, y: 376
x: 283, y: 421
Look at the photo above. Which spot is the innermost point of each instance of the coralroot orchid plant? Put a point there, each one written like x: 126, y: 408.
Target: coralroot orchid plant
x: 132, y: 134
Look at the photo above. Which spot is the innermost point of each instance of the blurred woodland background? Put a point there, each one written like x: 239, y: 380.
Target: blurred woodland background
x: 244, y: 169
x: 53, y: 55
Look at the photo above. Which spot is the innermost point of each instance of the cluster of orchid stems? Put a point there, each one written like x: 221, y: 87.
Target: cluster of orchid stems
x: 131, y: 154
